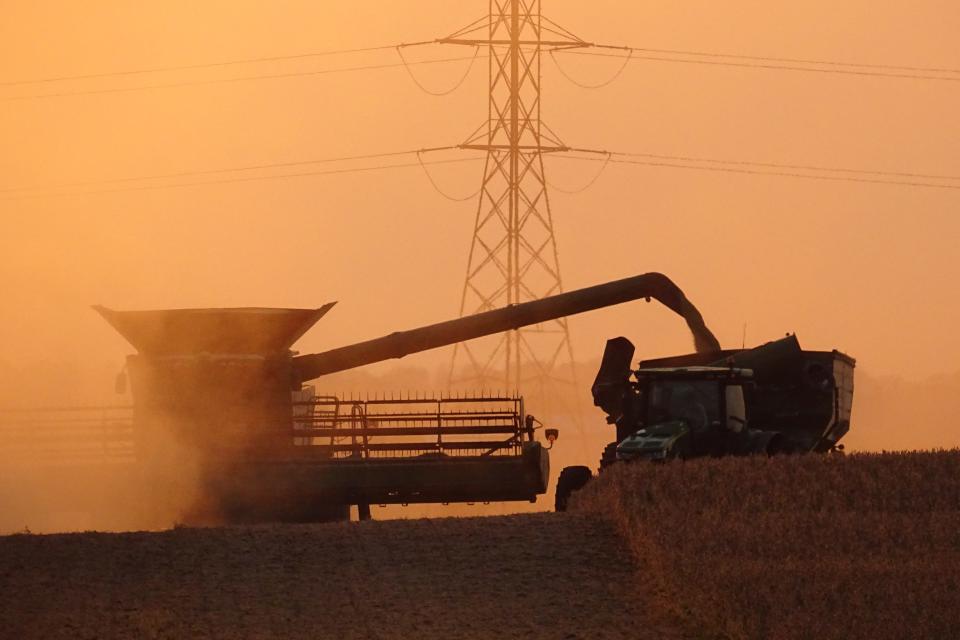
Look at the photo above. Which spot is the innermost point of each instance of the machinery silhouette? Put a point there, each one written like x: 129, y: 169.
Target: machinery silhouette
x: 221, y: 387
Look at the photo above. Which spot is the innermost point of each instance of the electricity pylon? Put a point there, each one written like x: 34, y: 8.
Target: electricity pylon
x: 513, y: 255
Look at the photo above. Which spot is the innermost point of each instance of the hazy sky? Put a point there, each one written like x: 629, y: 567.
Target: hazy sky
x: 868, y: 269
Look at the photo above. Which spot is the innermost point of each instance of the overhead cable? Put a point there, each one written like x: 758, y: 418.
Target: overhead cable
x: 194, y: 83
x: 807, y: 176
x: 733, y: 56
x: 590, y: 183
x: 798, y: 167
x: 207, y: 172
x: 598, y: 85
x: 759, y: 65
x: 457, y: 85
x: 757, y: 172
x: 237, y: 180
x: 436, y: 186
x: 208, y: 65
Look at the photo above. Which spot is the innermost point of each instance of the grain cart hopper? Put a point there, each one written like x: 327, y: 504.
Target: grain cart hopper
x: 219, y: 389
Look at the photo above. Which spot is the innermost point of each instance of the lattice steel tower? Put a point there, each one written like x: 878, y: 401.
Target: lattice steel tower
x: 513, y: 254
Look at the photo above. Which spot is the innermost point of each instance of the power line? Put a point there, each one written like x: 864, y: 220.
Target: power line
x: 208, y: 65
x: 457, y: 84
x: 607, y: 158
x: 835, y: 63
x: 788, y: 174
x: 598, y: 85
x: 239, y: 179
x: 204, y: 172
x: 629, y: 49
x: 799, y: 167
x: 194, y: 83
x: 606, y: 162
x: 436, y: 186
x: 759, y: 65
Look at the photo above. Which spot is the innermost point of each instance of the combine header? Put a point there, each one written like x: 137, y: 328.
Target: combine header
x: 447, y: 449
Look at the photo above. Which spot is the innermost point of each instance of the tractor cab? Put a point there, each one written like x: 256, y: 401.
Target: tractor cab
x: 685, y: 412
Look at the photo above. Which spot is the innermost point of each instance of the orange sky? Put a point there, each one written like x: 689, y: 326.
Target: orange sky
x: 869, y: 269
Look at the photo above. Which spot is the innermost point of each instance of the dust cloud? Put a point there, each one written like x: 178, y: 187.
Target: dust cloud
x: 67, y: 478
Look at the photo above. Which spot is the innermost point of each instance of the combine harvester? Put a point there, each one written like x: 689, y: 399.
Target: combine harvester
x: 220, y: 401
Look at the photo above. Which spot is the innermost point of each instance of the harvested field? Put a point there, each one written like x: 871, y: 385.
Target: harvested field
x: 858, y: 546
x: 525, y: 576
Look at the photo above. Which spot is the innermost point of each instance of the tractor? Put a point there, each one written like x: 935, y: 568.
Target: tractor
x: 773, y: 399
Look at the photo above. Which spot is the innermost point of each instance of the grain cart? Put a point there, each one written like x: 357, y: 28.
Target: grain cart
x: 776, y: 398
x: 220, y: 390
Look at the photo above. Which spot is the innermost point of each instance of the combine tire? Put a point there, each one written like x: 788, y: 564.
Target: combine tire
x: 571, y: 479
x: 609, y: 456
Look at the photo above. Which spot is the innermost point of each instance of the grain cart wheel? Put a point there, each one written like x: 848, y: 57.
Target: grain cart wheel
x: 571, y: 479
x: 609, y: 455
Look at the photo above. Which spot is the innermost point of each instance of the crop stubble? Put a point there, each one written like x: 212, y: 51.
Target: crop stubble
x: 818, y: 547
x: 525, y: 576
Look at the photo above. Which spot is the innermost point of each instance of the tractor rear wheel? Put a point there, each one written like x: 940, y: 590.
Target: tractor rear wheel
x: 571, y: 479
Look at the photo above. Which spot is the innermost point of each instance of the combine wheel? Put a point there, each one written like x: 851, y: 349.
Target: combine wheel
x: 571, y: 479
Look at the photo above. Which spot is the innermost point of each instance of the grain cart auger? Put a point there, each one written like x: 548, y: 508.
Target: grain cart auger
x: 221, y: 390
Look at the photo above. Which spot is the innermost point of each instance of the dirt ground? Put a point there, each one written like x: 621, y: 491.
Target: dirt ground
x: 523, y: 576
